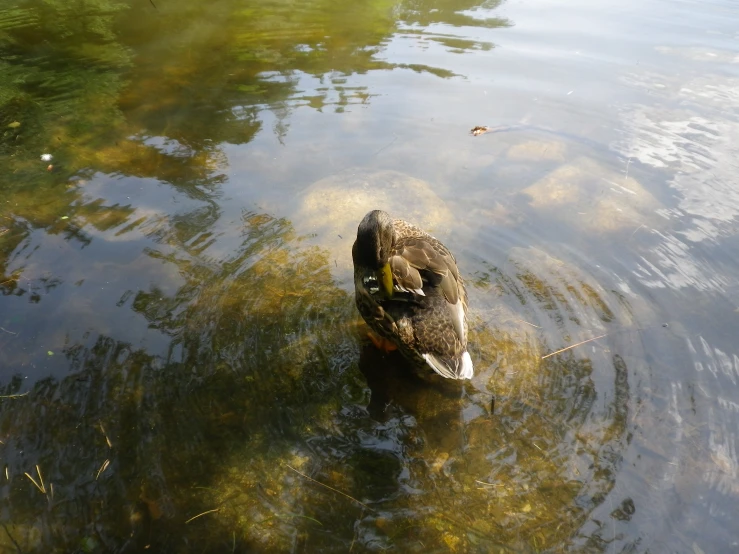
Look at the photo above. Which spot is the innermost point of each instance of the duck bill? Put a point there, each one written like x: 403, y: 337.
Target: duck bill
x: 385, y: 278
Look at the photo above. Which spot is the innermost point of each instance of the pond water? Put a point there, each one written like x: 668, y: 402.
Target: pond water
x: 182, y: 368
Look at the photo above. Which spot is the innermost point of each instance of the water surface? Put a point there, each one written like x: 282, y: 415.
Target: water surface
x: 182, y: 368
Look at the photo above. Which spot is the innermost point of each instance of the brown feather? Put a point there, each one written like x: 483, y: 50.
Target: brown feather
x: 426, y: 257
x: 450, y: 288
x: 404, y: 274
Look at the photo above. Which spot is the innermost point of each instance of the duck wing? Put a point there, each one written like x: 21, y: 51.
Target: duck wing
x: 420, y: 265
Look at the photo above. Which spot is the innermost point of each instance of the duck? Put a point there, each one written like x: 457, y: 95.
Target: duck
x: 409, y: 291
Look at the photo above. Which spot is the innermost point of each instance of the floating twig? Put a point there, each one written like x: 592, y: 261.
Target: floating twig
x: 12, y: 278
x: 14, y: 395
x: 110, y: 445
x: 330, y: 488
x: 11, y: 332
x: 387, y: 145
x: 290, y: 514
x: 204, y: 513
x: 635, y: 230
x: 103, y: 467
x: 527, y: 323
x: 574, y: 345
x: 41, y: 486
x: 486, y: 483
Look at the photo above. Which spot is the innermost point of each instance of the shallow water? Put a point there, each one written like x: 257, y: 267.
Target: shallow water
x: 182, y: 368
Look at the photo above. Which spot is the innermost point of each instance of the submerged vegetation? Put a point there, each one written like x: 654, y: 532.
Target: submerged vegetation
x: 255, y: 430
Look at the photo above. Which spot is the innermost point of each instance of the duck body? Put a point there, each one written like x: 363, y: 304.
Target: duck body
x: 409, y: 291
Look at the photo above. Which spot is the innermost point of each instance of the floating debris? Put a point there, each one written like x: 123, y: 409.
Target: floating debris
x: 110, y: 444
x: 14, y: 395
x: 46, y: 157
x: 574, y: 345
x: 103, y: 467
x: 478, y: 130
x: 40, y: 486
x: 330, y: 488
x: 202, y: 514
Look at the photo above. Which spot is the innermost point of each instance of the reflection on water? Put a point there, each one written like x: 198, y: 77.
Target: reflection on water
x: 181, y: 364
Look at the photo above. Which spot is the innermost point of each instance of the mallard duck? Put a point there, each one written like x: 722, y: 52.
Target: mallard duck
x: 409, y: 291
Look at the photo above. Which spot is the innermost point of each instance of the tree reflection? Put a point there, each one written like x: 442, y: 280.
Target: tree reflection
x: 118, y: 89
x: 260, y: 389
x: 255, y: 363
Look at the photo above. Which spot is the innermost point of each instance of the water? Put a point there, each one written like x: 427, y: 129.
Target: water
x: 182, y: 368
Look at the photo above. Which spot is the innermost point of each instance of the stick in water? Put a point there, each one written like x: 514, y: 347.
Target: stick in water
x: 330, y: 488
x: 574, y: 345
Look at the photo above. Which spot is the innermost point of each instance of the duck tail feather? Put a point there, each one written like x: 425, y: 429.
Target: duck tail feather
x: 463, y: 369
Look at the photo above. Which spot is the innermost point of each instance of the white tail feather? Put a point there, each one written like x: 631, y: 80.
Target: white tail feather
x: 466, y: 371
